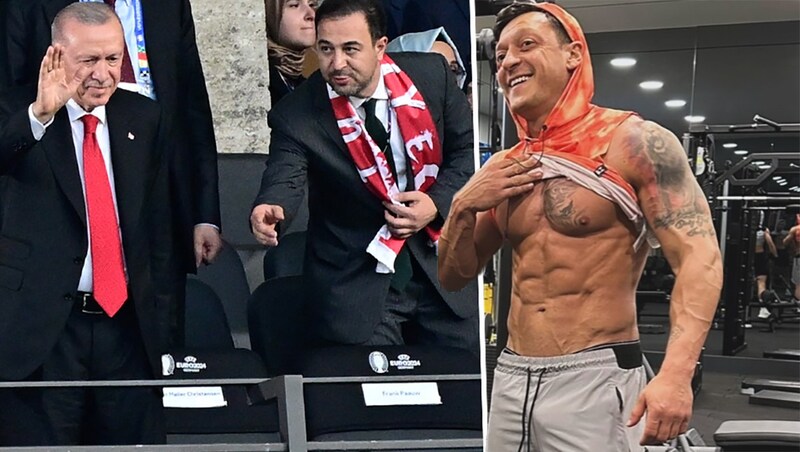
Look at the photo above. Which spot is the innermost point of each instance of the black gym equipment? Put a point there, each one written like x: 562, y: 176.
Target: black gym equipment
x: 730, y: 195
x: 783, y: 353
x: 752, y: 385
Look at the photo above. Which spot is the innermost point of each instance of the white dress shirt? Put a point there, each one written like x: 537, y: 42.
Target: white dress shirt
x: 76, y: 124
x: 383, y: 113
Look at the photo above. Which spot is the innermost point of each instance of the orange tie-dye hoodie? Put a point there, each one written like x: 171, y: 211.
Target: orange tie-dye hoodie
x: 576, y: 136
x: 575, y: 129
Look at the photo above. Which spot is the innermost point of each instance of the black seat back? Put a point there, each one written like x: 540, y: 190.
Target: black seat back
x: 287, y: 258
x: 275, y: 316
x: 206, y: 326
x: 238, y: 416
x: 340, y: 407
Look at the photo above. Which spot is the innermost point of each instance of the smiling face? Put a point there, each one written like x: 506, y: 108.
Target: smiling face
x: 533, y: 66
x: 99, y: 48
x: 296, y: 29
x: 348, y: 59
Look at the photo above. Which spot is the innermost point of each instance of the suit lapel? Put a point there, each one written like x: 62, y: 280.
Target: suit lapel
x: 60, y: 151
x: 325, y: 117
x: 130, y: 161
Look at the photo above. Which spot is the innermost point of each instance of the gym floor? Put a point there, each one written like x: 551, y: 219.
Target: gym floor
x: 720, y: 398
x: 786, y: 335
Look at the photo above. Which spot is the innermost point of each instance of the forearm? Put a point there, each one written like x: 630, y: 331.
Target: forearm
x: 459, y: 262
x: 693, y: 304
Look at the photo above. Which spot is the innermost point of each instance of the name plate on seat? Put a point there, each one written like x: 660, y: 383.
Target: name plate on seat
x: 392, y: 394
x: 194, y: 397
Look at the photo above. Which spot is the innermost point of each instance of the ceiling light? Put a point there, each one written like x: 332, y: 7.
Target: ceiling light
x: 623, y: 62
x: 651, y: 85
x: 729, y: 145
x: 675, y: 103
x: 783, y: 183
x: 776, y: 178
x: 795, y: 188
x: 759, y: 162
x: 741, y: 152
x: 764, y: 167
x: 695, y: 118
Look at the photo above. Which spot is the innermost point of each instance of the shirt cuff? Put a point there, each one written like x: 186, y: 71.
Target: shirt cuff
x: 208, y: 224
x: 37, y: 128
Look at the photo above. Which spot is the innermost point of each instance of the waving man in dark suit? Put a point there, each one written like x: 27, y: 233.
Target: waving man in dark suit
x: 163, y: 64
x: 83, y: 247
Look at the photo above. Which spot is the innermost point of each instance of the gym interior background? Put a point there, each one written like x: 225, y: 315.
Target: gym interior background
x: 719, y: 63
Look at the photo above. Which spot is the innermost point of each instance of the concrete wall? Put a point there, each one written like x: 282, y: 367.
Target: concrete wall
x: 232, y: 40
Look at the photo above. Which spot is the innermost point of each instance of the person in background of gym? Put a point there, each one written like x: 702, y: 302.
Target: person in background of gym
x: 792, y: 241
x: 579, y: 198
x: 761, y: 266
x: 290, y: 31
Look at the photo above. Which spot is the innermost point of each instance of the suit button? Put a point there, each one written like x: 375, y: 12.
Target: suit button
x: 78, y: 260
x: 68, y: 297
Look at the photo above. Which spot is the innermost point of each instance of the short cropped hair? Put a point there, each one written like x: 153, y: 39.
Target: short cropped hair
x: 518, y: 8
x: 87, y: 13
x: 372, y: 10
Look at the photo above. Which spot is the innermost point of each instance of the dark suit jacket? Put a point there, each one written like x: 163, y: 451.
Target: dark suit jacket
x: 3, y: 51
x: 180, y: 89
x: 346, y: 295
x: 43, y: 231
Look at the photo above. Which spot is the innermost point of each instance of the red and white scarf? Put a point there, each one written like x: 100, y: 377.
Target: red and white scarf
x: 422, y: 148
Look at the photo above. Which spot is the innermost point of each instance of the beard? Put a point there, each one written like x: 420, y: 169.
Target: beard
x: 355, y: 87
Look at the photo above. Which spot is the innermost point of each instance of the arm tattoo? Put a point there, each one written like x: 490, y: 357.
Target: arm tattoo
x: 676, y: 332
x: 681, y: 204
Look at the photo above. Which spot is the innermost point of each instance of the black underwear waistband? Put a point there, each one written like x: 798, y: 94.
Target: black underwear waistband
x: 628, y: 353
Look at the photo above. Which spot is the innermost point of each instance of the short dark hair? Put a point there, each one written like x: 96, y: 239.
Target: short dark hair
x: 86, y: 13
x: 371, y: 9
x: 518, y: 8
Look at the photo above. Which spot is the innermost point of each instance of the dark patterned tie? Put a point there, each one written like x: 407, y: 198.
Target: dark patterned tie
x: 378, y: 133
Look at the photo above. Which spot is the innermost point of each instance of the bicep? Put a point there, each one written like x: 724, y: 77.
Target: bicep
x: 671, y: 199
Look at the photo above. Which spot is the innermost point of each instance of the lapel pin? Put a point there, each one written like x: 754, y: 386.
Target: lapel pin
x: 130, y: 136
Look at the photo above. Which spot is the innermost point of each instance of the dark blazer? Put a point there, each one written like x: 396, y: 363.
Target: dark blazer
x: 346, y: 295
x: 180, y: 89
x: 43, y: 231
x: 278, y: 88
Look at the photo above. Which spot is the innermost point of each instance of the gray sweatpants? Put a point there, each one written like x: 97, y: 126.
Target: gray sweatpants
x: 580, y: 402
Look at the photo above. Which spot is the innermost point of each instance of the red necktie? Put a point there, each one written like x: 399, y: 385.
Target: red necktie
x: 126, y: 74
x: 108, y: 276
